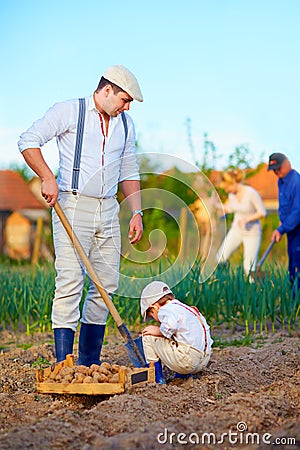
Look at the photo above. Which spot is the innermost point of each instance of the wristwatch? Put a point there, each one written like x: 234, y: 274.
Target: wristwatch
x: 138, y: 211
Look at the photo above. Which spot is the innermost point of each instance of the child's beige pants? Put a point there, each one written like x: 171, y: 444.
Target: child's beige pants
x: 176, y: 356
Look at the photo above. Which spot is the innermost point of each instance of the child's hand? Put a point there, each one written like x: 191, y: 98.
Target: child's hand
x: 152, y: 330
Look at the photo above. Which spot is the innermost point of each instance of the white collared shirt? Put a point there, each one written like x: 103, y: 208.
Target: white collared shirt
x: 177, y: 319
x: 102, y: 164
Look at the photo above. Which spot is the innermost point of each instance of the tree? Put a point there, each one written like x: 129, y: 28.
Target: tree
x: 241, y: 158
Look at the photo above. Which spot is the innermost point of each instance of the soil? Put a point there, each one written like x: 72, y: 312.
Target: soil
x: 254, y: 387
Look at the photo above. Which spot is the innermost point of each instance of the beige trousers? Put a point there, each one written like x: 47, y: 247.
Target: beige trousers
x: 96, y: 224
x: 233, y: 240
x: 178, y: 357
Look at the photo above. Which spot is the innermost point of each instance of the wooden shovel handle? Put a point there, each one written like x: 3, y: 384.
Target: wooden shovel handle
x: 94, y: 277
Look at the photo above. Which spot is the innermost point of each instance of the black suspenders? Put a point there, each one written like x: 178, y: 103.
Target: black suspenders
x: 78, y: 145
x: 125, y: 129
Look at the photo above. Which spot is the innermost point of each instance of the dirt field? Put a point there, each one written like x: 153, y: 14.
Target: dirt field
x: 255, y: 387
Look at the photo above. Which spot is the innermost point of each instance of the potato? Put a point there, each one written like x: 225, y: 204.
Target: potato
x: 126, y: 369
x: 105, y: 371
x: 78, y: 378
x: 67, y: 371
x: 93, y: 368
x: 115, y: 368
x: 96, y: 377
x: 82, y: 369
x: 105, y: 365
x: 103, y: 378
x: 114, y: 378
x: 88, y: 379
x: 68, y: 378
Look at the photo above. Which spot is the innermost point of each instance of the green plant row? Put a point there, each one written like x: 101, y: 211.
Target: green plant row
x: 258, y: 305
x: 225, y: 298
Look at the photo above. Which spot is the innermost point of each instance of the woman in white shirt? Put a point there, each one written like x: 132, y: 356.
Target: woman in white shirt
x: 247, y: 206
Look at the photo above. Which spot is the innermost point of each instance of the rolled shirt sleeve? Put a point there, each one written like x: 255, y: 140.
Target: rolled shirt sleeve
x: 168, y: 322
x: 51, y: 125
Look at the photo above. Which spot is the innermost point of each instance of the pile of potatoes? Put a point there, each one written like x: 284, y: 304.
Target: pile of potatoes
x: 105, y: 373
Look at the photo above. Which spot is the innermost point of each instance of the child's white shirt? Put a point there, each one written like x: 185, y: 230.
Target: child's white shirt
x: 180, y: 321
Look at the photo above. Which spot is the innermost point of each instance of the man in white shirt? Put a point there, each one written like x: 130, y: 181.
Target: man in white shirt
x: 96, y: 143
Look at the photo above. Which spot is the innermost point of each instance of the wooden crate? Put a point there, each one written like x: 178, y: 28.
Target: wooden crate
x: 141, y: 376
x: 136, y: 378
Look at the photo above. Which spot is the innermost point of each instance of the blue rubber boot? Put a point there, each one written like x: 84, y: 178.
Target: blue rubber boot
x: 64, y: 340
x: 159, y: 378
x: 90, y: 344
x: 182, y: 376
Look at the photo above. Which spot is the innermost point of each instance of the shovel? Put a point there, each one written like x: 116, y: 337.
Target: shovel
x: 258, y: 273
x: 134, y: 347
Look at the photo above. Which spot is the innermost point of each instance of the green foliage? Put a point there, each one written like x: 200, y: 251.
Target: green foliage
x: 26, y: 295
x: 172, y: 190
x: 210, y: 155
x: 240, y: 158
x: 40, y: 363
x: 178, y: 183
x: 226, y: 298
x: 242, y: 342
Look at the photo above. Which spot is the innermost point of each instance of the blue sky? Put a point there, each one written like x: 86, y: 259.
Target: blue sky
x: 231, y: 66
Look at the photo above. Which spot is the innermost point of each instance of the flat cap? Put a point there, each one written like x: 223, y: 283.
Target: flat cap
x: 125, y: 79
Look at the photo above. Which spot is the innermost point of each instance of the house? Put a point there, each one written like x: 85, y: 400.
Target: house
x: 20, y: 210
x: 265, y: 183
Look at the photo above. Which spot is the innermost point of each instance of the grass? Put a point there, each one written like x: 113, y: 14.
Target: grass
x: 251, y: 340
x: 24, y: 346
x: 40, y: 363
x: 242, y: 342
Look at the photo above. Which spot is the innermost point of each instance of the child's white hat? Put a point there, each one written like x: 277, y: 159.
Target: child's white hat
x: 153, y: 292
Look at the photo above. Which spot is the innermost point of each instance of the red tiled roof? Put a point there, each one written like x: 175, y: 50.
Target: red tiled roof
x: 15, y: 193
x: 265, y: 183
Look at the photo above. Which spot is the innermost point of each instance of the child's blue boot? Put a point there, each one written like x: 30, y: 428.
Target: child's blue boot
x: 159, y: 378
x: 182, y: 376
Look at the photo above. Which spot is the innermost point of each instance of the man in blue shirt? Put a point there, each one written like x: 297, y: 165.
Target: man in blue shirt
x: 289, y: 210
